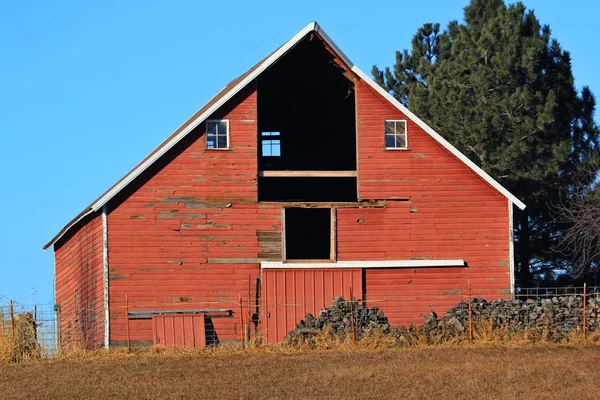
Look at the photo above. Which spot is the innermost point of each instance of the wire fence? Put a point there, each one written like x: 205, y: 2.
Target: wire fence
x: 233, y: 320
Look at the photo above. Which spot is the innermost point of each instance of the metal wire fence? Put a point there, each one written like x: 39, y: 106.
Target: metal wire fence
x: 197, y: 322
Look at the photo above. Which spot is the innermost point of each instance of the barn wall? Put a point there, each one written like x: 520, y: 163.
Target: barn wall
x: 189, y: 236
x: 189, y: 233
x: 452, y: 213
x: 79, y: 285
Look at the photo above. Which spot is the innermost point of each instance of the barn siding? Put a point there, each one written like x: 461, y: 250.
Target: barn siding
x: 189, y: 236
x: 79, y: 285
x: 452, y: 213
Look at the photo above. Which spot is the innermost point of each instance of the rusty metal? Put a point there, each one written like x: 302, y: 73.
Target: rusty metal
x: 127, y: 319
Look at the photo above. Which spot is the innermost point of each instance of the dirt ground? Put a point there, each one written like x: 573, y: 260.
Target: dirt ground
x: 550, y: 372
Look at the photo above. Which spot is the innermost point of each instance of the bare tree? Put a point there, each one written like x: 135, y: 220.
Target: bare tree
x: 579, y: 214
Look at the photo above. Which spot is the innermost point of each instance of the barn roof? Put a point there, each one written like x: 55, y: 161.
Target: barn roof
x: 236, y: 86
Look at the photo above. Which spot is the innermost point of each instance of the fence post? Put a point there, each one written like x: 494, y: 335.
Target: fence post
x: 264, y: 319
x: 249, y: 311
x: 584, y: 309
x: 470, y: 314
x: 127, y: 319
x: 352, y: 315
x: 57, y: 329
x: 12, y: 319
x: 241, y: 322
x: 76, y: 327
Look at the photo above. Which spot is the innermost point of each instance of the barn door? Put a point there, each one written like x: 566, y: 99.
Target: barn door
x: 288, y: 295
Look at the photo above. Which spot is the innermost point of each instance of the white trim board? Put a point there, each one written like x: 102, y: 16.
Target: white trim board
x: 511, y: 248
x: 363, y: 264
x: 312, y: 27
x: 105, y: 276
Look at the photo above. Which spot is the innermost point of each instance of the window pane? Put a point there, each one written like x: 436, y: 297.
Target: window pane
x: 401, y: 141
x: 211, y: 127
x: 266, y: 148
x: 401, y: 127
x: 276, y: 148
x: 266, y: 134
x: 390, y: 141
x: 222, y: 128
x: 274, y: 133
x: 221, y: 142
x: 210, y: 143
x: 390, y: 127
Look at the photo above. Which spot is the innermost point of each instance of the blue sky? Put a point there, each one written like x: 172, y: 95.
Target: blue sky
x: 87, y: 89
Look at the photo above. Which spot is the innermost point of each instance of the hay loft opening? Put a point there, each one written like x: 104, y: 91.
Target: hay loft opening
x: 308, y: 233
x: 306, y: 112
x: 307, y: 124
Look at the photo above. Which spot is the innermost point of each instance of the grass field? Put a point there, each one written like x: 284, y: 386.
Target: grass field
x: 552, y: 372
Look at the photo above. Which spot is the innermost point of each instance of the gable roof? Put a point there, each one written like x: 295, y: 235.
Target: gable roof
x: 236, y: 86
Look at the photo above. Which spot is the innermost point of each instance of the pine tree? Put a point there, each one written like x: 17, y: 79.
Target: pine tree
x: 501, y: 89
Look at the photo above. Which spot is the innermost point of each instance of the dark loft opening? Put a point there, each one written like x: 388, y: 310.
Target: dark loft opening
x: 308, y: 233
x: 308, y: 102
x: 307, y: 189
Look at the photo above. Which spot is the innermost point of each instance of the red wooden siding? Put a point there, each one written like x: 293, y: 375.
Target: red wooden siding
x: 183, y: 330
x: 79, y: 285
x: 452, y: 212
x: 187, y: 238
x: 407, y: 295
x: 288, y: 295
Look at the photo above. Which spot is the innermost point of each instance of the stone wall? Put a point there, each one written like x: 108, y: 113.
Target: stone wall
x: 556, y: 317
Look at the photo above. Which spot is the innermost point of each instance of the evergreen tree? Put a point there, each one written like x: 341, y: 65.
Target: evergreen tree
x: 501, y: 90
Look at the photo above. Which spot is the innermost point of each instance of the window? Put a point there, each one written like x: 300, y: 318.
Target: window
x: 395, y: 135
x: 271, y: 144
x: 217, y: 134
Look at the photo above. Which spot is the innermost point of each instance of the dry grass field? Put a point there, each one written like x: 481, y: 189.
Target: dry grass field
x: 544, y: 371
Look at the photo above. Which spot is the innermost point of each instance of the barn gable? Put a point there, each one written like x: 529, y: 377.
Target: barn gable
x: 238, y: 84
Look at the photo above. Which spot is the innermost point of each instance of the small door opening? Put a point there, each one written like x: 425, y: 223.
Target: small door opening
x: 308, y: 233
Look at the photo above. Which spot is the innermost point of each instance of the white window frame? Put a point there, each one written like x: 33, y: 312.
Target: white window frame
x: 217, y: 121
x: 268, y: 135
x: 395, y: 134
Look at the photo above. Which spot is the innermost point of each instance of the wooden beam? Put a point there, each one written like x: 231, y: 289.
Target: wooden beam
x: 325, y: 264
x: 308, y: 174
x: 339, y: 204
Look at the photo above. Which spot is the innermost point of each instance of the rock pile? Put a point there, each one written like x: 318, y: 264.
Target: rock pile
x: 338, y: 317
x: 556, y: 316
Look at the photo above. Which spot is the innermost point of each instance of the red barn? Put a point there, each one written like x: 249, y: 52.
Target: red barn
x: 301, y: 179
